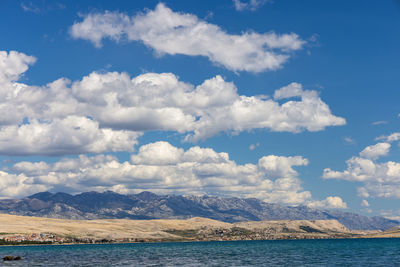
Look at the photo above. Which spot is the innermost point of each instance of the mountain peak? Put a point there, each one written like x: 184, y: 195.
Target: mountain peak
x: 44, y: 196
x: 146, y: 195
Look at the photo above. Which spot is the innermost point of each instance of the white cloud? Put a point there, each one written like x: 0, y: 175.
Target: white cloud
x: 13, y: 64
x: 349, y: 140
x: 163, y: 168
x: 361, y: 169
x: 70, y: 135
x: 292, y: 90
x: 160, y: 153
x: 12, y: 185
x: 375, y: 151
x: 328, y: 203
x: 246, y: 113
x: 95, y: 27
x: 169, y: 32
x: 277, y: 166
x: 161, y: 102
x: 249, y: 5
x: 117, y: 108
x: 389, y: 138
x: 383, y: 190
x: 364, y: 203
x: 379, y: 122
x: 380, y: 179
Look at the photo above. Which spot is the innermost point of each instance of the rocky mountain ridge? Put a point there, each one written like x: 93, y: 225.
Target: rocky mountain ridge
x: 146, y: 205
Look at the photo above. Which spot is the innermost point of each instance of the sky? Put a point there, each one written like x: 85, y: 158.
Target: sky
x: 291, y: 102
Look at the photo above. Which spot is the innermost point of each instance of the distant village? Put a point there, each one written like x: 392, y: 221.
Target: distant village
x: 50, y: 238
x: 32, y: 238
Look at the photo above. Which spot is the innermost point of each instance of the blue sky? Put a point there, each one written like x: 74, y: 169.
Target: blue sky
x: 293, y: 102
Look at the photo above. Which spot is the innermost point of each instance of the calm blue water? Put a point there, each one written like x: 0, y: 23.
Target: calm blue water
x: 347, y: 252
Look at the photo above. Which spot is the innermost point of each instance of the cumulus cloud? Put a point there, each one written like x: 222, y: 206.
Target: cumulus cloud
x: 107, y: 111
x: 12, y: 185
x: 13, y: 64
x: 363, y: 170
x: 161, y: 102
x: 246, y: 113
x: 163, y: 168
x: 70, y: 135
x: 169, y: 32
x: 49, y: 120
x: 364, y: 203
x: 375, y: 151
x: 95, y: 27
x: 328, y: 203
x: 380, y: 179
x: 281, y: 166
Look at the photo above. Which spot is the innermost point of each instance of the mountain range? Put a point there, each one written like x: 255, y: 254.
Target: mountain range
x: 147, y: 205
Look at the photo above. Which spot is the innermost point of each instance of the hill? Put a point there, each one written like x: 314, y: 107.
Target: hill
x: 27, y: 229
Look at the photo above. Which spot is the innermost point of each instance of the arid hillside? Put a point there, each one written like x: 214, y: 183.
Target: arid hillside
x: 15, y: 228
x: 392, y: 232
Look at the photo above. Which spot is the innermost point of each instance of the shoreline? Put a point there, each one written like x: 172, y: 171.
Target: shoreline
x: 196, y: 241
x: 24, y: 230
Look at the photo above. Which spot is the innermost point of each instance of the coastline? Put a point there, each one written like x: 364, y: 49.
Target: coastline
x: 24, y: 230
x: 193, y: 241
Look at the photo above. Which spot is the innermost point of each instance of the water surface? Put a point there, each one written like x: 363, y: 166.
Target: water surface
x: 338, y: 252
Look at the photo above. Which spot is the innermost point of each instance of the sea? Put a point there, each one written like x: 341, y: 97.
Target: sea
x: 333, y: 252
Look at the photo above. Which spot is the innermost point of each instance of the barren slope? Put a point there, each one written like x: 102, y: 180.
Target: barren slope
x: 158, y: 230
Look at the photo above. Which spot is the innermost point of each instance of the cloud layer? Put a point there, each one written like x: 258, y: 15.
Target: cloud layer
x: 49, y: 120
x: 380, y: 179
x: 71, y: 135
x: 169, y: 32
x: 108, y: 111
x: 163, y: 168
